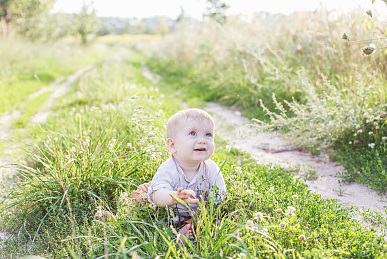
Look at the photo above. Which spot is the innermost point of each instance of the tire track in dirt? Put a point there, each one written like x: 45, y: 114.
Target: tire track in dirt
x: 7, y: 161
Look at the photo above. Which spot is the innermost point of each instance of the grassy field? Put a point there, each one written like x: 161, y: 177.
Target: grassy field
x: 296, y: 75
x: 106, y: 136
x: 27, y: 67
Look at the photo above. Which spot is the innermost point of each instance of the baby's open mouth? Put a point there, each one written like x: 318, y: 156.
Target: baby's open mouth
x: 200, y: 149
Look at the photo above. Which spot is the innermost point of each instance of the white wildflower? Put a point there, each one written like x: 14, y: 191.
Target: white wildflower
x: 258, y: 216
x: 112, y: 143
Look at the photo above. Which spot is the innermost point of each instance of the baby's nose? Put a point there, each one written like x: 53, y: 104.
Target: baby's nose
x: 201, y: 140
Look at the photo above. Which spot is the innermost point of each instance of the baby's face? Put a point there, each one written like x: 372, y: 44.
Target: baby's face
x: 193, y: 141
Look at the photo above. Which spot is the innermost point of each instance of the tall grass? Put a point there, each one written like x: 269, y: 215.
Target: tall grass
x: 324, y: 88
x: 107, y: 136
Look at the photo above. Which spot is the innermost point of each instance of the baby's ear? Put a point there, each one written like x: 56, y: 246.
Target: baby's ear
x: 171, y: 145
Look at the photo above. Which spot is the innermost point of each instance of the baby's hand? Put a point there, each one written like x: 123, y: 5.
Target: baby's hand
x: 143, y: 187
x: 141, y: 193
x: 186, y: 195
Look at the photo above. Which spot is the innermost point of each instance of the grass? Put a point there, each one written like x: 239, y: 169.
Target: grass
x: 313, y: 86
x: 28, y: 67
x: 71, y: 197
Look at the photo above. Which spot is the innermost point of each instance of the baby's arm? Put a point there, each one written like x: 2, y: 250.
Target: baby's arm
x: 164, y: 198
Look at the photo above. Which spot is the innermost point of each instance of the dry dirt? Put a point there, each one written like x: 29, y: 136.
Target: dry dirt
x: 318, y: 172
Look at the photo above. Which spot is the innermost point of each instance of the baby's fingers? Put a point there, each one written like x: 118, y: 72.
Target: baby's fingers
x: 191, y: 201
x: 188, y: 193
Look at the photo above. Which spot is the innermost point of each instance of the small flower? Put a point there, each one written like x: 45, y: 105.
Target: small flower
x: 124, y: 196
x: 153, y: 156
x: 282, y: 224
x: 250, y: 223
x: 159, y: 113
x: 279, y: 211
x: 102, y: 214
x: 258, y: 216
x: 228, y: 148
x: 151, y: 134
x: 370, y: 133
x: 295, y: 197
x: 350, y: 142
x: 291, y: 209
x: 112, y: 142
x: 142, y: 141
x: 301, y: 237
x: 371, y: 145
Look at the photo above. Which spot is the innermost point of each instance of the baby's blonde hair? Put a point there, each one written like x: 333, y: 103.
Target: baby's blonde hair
x: 184, y: 115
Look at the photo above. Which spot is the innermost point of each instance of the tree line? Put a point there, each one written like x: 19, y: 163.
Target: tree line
x: 34, y: 20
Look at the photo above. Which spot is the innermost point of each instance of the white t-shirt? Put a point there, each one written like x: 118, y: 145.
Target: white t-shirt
x: 170, y: 176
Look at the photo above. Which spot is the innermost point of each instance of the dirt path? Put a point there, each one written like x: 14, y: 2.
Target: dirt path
x: 6, y: 131
x: 271, y: 148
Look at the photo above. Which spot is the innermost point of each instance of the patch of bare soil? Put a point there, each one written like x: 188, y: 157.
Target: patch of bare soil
x: 318, y: 172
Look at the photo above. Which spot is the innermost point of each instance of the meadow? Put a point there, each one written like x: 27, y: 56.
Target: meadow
x: 70, y: 197
x: 306, y: 75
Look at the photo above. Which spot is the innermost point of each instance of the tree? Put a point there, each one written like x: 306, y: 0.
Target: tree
x: 27, y: 17
x: 5, y: 18
x: 86, y: 23
x: 30, y: 16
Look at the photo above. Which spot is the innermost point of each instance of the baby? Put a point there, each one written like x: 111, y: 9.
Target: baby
x: 189, y: 174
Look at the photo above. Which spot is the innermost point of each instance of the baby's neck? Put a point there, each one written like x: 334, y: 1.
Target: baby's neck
x: 189, y: 169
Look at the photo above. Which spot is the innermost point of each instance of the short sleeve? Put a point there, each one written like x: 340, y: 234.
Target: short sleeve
x: 163, y: 179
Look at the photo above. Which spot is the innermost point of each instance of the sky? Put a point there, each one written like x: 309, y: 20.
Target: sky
x: 195, y: 8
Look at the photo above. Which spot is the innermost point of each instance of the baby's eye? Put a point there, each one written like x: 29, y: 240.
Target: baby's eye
x: 209, y: 134
x: 193, y: 133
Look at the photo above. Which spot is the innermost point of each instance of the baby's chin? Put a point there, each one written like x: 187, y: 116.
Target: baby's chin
x: 201, y: 155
